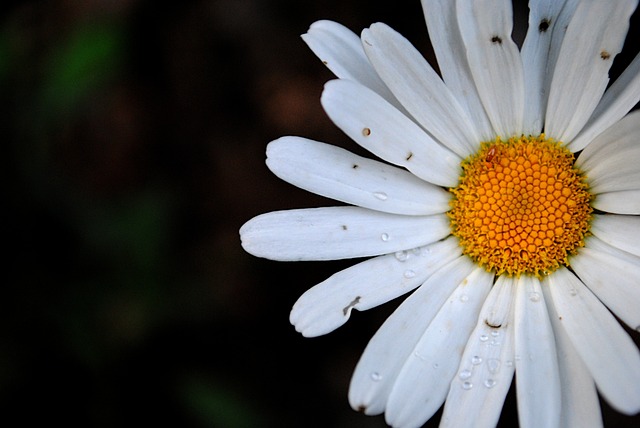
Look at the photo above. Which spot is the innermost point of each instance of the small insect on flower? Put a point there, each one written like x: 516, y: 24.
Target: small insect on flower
x: 491, y: 153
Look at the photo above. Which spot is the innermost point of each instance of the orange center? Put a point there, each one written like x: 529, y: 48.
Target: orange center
x: 521, y: 206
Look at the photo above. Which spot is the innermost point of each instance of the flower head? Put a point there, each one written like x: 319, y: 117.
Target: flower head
x: 507, y: 202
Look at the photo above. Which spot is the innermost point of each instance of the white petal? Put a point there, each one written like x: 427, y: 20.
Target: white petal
x: 341, y: 175
x: 373, y: 282
x: 611, y: 160
x: 425, y: 378
x: 380, y: 128
x: 581, y: 73
x: 333, y: 233
x: 580, y: 404
x: 450, y: 51
x: 341, y: 51
x: 478, y: 390
x: 543, y: 18
x: 621, y: 231
x: 625, y: 202
x: 394, y: 342
x: 538, y: 378
x: 617, y: 101
x: 495, y: 61
x: 419, y: 88
x: 612, y: 277
x: 606, y: 349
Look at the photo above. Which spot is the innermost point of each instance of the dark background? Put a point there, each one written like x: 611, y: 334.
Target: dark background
x: 134, y: 134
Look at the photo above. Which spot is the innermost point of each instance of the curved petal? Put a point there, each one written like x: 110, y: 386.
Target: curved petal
x: 620, y: 231
x: 579, y: 397
x: 394, y: 342
x: 380, y: 128
x: 611, y: 160
x: 328, y: 305
x: 624, y: 202
x: 606, y: 349
x: 486, y: 369
x: 495, y: 61
x: 334, y: 233
x: 538, y: 384
x: 543, y: 17
x: 419, y: 88
x: 617, y: 101
x: 425, y: 378
x: 340, y: 49
x: 450, y: 51
x: 581, y: 72
x: 611, y: 276
x: 341, y: 175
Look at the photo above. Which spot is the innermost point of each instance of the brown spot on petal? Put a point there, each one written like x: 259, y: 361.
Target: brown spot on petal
x: 544, y: 25
x: 496, y: 40
x: 366, y: 132
x: 605, y: 55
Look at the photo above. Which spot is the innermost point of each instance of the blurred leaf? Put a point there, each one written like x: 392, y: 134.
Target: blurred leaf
x: 91, y: 55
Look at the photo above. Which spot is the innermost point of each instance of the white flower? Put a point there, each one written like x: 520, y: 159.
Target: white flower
x: 516, y: 251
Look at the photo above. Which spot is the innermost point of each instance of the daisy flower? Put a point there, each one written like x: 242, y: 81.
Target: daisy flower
x: 506, y: 201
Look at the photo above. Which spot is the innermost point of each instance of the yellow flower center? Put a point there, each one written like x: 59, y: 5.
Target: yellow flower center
x: 521, y: 206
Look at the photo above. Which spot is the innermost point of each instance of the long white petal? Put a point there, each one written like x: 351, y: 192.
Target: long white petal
x: 611, y: 160
x: 538, y: 384
x: 606, y: 349
x: 383, y: 130
x: 621, y: 231
x: 581, y: 73
x: 612, y: 277
x: 419, y: 88
x: 341, y: 175
x: 543, y: 17
x: 495, y: 61
x: 394, y: 342
x: 333, y: 233
x: 580, y: 404
x: 341, y: 51
x: 425, y: 378
x: 624, y: 202
x: 328, y: 305
x: 486, y: 369
x: 442, y: 24
x: 617, y: 101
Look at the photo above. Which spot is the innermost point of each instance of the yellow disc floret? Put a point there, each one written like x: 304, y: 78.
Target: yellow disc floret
x: 521, y: 206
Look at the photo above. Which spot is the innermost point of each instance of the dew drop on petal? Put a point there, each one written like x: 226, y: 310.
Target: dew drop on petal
x: 465, y: 374
x: 380, y: 195
x: 409, y: 273
x: 401, y: 256
x: 484, y: 338
x: 375, y: 376
x: 573, y: 292
x: 467, y: 385
x: 534, y: 297
x: 489, y: 383
x: 464, y: 298
x: 493, y: 364
x: 475, y: 360
x: 495, y: 333
x: 385, y: 237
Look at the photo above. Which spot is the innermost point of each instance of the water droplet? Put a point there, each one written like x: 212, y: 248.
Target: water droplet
x: 495, y: 333
x: 534, y: 297
x: 409, y: 273
x: 484, y: 338
x: 489, y: 383
x: 380, y: 195
x: 418, y: 251
x: 508, y: 363
x: 467, y: 385
x: 465, y: 374
x: 385, y: 237
x: 464, y: 298
x: 436, y: 365
x: 419, y: 355
x: 401, y: 256
x: 494, y: 342
x: 573, y: 292
x: 375, y: 376
x: 493, y: 364
x: 475, y: 360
